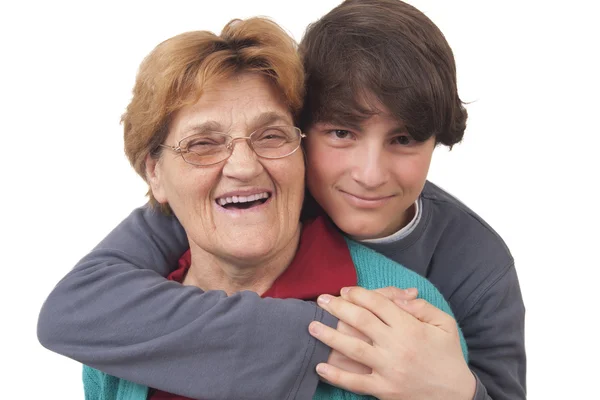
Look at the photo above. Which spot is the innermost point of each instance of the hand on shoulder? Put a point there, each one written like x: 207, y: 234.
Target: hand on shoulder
x: 411, y: 347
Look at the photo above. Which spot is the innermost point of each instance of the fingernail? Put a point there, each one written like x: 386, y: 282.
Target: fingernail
x: 322, y: 369
x: 345, y: 290
x: 324, y: 299
x: 315, y: 328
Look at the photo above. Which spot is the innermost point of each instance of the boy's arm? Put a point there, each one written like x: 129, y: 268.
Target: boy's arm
x: 494, y: 330
x: 115, y: 312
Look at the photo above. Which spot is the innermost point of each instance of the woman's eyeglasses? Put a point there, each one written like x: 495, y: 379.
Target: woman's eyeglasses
x: 210, y: 148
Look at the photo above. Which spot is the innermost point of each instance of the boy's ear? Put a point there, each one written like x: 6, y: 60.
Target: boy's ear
x: 153, y: 177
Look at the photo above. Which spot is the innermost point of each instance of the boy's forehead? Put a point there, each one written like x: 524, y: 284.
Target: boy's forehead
x: 357, y: 120
x: 356, y: 109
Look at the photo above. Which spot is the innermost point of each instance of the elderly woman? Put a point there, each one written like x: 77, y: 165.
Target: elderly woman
x: 211, y: 129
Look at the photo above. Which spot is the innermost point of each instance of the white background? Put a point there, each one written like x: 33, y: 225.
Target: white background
x: 528, y: 163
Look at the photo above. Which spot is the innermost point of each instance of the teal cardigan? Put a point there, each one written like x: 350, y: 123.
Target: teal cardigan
x: 373, y: 271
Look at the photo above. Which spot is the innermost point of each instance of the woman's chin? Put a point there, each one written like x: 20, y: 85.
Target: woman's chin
x: 248, y: 252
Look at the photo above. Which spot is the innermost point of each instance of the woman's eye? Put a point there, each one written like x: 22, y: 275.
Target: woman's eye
x: 201, y: 143
x: 200, y: 146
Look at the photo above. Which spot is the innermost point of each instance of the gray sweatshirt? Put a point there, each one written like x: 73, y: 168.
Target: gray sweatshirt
x: 115, y: 312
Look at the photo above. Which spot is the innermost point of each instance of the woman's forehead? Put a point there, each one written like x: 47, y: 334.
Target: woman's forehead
x: 243, y: 122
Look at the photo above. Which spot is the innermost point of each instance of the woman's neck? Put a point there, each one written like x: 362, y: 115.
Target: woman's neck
x: 211, y: 272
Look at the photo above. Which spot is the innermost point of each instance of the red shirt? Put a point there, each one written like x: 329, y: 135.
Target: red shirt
x: 322, y: 265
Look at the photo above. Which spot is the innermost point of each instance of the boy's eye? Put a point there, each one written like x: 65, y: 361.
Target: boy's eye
x: 402, y: 140
x: 341, y: 133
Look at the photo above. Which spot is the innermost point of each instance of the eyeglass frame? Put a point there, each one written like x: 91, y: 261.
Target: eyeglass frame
x: 230, y: 144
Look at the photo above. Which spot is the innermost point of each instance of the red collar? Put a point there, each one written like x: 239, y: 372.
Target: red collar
x: 322, y: 265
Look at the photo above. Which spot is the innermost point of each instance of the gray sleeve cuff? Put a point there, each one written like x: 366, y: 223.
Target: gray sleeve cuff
x: 480, y: 390
x: 320, y: 353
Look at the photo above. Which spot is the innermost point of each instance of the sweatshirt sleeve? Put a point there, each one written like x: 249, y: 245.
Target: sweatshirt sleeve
x: 116, y: 312
x: 494, y: 330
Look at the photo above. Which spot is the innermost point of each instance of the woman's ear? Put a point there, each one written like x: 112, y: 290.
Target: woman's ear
x: 153, y: 177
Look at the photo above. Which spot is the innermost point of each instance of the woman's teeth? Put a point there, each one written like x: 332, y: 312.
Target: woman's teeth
x: 223, y: 201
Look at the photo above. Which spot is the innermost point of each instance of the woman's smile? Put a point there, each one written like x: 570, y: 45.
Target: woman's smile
x: 243, y: 201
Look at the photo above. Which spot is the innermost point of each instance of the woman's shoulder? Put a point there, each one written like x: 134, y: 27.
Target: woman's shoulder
x: 374, y: 270
x: 370, y: 262
x: 98, y: 385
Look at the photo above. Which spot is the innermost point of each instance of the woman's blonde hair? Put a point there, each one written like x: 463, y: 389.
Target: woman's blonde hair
x: 175, y: 72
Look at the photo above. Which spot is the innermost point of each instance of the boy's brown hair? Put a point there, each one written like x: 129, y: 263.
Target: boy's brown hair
x: 366, y: 52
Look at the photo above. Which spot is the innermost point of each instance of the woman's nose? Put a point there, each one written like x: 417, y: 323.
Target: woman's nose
x: 243, y: 163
